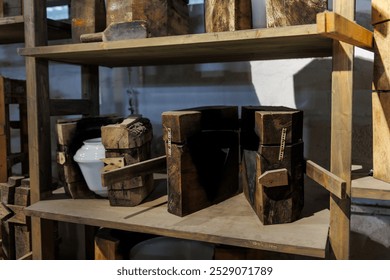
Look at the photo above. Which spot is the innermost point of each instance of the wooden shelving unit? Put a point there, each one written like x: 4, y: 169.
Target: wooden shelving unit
x: 12, y: 30
x: 231, y: 222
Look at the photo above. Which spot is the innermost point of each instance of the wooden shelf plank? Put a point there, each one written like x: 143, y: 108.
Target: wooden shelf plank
x: 371, y: 188
x: 12, y: 30
x: 232, y: 222
x: 244, y: 45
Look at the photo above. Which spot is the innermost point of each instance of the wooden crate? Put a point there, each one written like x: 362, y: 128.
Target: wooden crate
x: 128, y: 143
x: 12, y: 92
x: 202, y: 157
x: 273, y: 164
x: 293, y: 12
x: 70, y: 136
x: 227, y: 15
x: 163, y: 17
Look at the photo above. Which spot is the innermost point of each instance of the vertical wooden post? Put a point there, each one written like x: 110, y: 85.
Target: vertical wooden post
x: 38, y: 108
x: 4, y: 146
x: 381, y: 90
x: 341, y: 135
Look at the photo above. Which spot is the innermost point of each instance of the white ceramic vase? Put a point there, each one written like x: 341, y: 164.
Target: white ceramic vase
x: 89, y: 159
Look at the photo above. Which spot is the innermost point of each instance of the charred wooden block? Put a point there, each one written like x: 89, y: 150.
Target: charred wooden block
x: 163, y: 17
x: 293, y: 12
x: 203, y: 167
x: 70, y: 136
x: 273, y: 164
x: 227, y: 15
x: 129, y: 141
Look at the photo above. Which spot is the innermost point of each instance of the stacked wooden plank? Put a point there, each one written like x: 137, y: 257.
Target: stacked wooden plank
x: 293, y: 12
x: 127, y: 143
x: 70, y: 135
x: 15, y: 226
x: 381, y: 90
x: 227, y: 15
x: 202, y: 157
x: 273, y: 165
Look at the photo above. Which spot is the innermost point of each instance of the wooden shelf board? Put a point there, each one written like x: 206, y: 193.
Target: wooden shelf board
x: 232, y: 222
x: 371, y: 188
x: 12, y: 30
x: 244, y: 45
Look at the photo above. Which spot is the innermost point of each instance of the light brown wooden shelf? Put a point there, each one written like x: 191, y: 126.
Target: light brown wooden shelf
x: 244, y: 45
x: 371, y: 188
x: 313, y: 40
x: 12, y: 30
x: 232, y: 222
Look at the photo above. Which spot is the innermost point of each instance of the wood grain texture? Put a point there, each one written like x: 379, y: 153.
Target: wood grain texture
x: 227, y: 15
x: 281, y: 204
x: 381, y: 135
x: 370, y: 188
x: 380, y: 11
x: 133, y: 132
x: 88, y: 16
x: 39, y: 125
x: 274, y: 178
x: 337, y: 27
x: 271, y: 124
x: 329, y: 181
x: 284, y: 42
x: 163, y: 17
x: 341, y: 135
x: 231, y: 222
x: 293, y: 12
x: 381, y: 79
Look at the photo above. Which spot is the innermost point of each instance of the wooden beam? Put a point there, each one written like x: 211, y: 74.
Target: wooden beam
x: 39, y: 125
x: 337, y: 27
x: 329, y: 181
x: 341, y: 136
x: 134, y: 170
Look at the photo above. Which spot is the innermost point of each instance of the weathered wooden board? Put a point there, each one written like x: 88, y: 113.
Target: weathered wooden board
x: 22, y: 240
x: 380, y: 11
x: 8, y: 239
x: 88, y: 16
x: 227, y: 15
x: 381, y: 135
x: 381, y: 79
x: 293, y: 12
x: 163, y: 17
